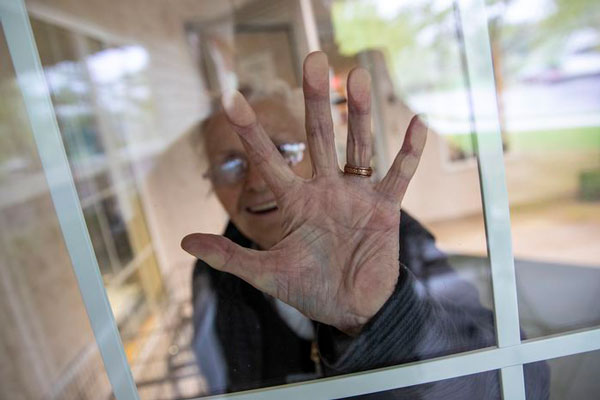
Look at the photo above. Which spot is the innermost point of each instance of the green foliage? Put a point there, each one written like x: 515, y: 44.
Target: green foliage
x: 358, y: 26
x: 589, y: 185
x: 571, y: 15
x: 419, y: 42
x: 573, y: 139
x: 421, y: 46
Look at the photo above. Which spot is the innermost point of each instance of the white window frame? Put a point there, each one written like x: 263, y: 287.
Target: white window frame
x: 508, y: 356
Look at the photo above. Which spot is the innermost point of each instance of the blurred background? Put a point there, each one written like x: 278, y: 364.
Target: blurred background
x: 131, y: 80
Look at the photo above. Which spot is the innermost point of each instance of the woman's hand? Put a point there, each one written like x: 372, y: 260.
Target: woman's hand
x: 337, y: 261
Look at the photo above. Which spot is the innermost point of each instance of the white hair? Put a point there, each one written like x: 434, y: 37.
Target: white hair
x: 276, y: 89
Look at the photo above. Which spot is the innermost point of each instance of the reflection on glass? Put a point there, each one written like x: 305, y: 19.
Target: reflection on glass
x: 118, y: 229
x: 574, y: 377
x: 132, y: 88
x: 455, y: 388
x: 100, y: 95
x: 48, y: 348
x: 422, y: 46
x: 100, y: 248
x: 90, y: 187
x: 547, y: 67
x: 246, y: 339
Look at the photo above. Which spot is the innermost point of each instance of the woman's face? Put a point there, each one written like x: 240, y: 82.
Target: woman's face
x: 248, y: 200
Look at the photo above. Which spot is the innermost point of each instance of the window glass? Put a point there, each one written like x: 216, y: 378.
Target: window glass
x: 47, y: 347
x: 136, y: 92
x: 100, y: 247
x: 547, y: 67
x: 447, y: 388
x: 419, y: 60
x: 117, y: 228
x: 415, y: 61
x: 104, y: 170
x: 133, y: 93
x: 574, y: 377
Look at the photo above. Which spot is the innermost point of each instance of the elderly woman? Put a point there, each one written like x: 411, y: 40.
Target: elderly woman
x: 318, y: 271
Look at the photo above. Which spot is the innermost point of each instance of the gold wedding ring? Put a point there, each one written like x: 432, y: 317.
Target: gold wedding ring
x: 360, y: 171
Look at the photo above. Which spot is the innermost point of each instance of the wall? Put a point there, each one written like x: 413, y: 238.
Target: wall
x: 46, y: 332
x: 45, y: 328
x: 180, y: 101
x: 445, y: 190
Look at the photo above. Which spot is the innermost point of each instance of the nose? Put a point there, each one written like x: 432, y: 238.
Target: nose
x: 254, y: 181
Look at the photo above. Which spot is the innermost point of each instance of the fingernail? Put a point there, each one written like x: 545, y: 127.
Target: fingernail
x: 419, y: 140
x: 187, y: 244
x: 209, y: 255
x: 316, y: 70
x: 237, y: 109
x: 359, y: 87
x: 424, y: 119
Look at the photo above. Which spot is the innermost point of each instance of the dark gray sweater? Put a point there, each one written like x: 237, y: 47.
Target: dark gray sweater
x: 241, y: 342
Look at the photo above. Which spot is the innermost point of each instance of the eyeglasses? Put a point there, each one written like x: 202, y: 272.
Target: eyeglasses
x: 233, y: 169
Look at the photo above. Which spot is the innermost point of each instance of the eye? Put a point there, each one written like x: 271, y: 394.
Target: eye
x: 293, y: 153
x: 232, y: 164
x: 231, y: 170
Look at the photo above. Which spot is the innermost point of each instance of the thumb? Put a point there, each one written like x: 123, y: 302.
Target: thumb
x: 253, y: 266
x: 214, y: 250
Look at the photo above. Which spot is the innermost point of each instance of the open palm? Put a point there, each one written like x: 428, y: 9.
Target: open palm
x: 337, y: 261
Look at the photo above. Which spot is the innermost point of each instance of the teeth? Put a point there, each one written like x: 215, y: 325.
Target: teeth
x: 263, y: 207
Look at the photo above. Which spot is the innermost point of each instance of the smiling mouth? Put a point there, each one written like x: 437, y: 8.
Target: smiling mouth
x: 264, y: 208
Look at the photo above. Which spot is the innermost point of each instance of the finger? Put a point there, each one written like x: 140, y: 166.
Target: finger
x: 359, y: 148
x: 319, y: 125
x: 259, y: 146
x: 405, y: 164
x: 255, y: 267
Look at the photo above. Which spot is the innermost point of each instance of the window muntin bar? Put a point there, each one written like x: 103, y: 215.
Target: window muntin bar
x: 488, y: 142
x: 507, y: 356
x: 433, y: 370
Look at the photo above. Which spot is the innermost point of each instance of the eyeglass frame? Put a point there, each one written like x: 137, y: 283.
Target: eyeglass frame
x: 296, y: 148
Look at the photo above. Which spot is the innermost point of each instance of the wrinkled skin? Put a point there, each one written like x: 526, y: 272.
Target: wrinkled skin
x: 337, y: 260
x: 221, y: 142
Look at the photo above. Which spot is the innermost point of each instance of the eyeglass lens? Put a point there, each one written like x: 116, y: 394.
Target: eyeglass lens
x: 234, y: 168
